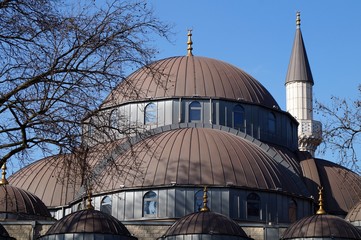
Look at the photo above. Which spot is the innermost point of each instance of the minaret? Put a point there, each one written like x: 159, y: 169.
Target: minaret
x: 299, y: 103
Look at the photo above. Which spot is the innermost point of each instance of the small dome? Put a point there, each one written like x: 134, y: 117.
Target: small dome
x: 4, y: 235
x: 199, y: 156
x: 91, y: 223
x: 204, y: 223
x: 18, y: 204
x: 322, y: 226
x: 354, y: 215
x: 188, y: 77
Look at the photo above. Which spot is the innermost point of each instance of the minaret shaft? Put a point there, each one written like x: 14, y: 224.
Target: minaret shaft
x: 299, y: 102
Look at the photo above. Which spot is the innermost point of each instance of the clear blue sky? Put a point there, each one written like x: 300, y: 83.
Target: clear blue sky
x: 257, y: 36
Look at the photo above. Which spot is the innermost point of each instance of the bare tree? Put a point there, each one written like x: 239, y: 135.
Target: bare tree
x: 342, y: 129
x: 57, y: 63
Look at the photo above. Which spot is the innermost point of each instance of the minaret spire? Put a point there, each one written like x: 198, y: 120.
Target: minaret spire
x: 298, y: 20
x: 299, y: 102
x: 189, y: 43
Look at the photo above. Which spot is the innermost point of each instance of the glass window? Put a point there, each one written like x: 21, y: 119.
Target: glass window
x: 150, y: 204
x: 106, y: 205
x: 150, y: 114
x: 113, y: 119
x: 292, y: 211
x: 79, y: 207
x: 195, y: 110
x: 198, y: 200
x: 238, y: 117
x: 271, y: 123
x: 253, y: 206
x: 91, y: 128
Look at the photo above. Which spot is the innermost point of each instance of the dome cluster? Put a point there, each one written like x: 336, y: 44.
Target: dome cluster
x: 170, y: 129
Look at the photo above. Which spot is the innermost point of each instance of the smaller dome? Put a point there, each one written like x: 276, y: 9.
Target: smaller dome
x: 322, y: 226
x: 18, y: 204
x: 4, y: 235
x: 89, y: 222
x: 354, y: 215
x: 206, y: 223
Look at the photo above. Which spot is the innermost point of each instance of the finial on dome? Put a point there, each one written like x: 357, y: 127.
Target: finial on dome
x: 89, y: 205
x: 298, y: 19
x: 3, y: 180
x: 205, y: 200
x: 320, y: 202
x: 189, y: 43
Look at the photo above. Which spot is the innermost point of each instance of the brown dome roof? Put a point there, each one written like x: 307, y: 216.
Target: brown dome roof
x: 322, y: 226
x: 342, y: 187
x: 18, y: 204
x: 199, y: 156
x: 206, y: 223
x: 354, y: 215
x: 188, y: 77
x: 90, y: 222
x: 52, y: 179
x: 56, y: 180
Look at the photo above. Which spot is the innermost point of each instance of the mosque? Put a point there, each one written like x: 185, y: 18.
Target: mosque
x: 215, y: 158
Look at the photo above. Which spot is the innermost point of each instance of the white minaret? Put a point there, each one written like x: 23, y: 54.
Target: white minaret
x: 299, y: 101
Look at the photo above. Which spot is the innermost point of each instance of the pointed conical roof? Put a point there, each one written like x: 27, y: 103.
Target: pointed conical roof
x: 299, y: 69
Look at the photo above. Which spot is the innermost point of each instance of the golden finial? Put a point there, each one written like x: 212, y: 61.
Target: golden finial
x: 189, y: 43
x: 205, y: 200
x: 298, y: 19
x: 320, y: 202
x: 89, y: 205
x: 3, y: 180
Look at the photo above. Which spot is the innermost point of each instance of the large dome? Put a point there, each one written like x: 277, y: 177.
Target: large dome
x: 342, y: 186
x: 199, y: 156
x: 190, y: 76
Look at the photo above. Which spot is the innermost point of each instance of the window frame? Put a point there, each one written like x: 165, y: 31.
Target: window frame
x: 147, y: 199
x: 253, y: 199
x: 106, y: 207
x: 235, y: 112
x: 271, y: 123
x: 192, y: 110
x: 150, y: 114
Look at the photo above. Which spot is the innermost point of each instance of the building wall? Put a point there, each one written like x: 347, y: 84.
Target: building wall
x: 256, y: 121
x: 27, y: 230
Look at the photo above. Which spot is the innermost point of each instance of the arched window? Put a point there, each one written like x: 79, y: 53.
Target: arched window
x: 114, y: 118
x: 106, y: 205
x: 253, y: 206
x: 271, y: 123
x: 79, y: 207
x: 195, y: 112
x: 198, y: 200
x: 91, y: 128
x: 292, y: 211
x: 150, y: 204
x: 238, y: 117
x: 150, y: 114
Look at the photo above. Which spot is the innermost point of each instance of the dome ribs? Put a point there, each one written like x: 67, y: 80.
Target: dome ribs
x: 189, y: 77
x: 199, y: 78
x: 206, y: 165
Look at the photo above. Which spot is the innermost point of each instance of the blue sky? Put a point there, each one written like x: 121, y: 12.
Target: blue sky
x: 257, y: 36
